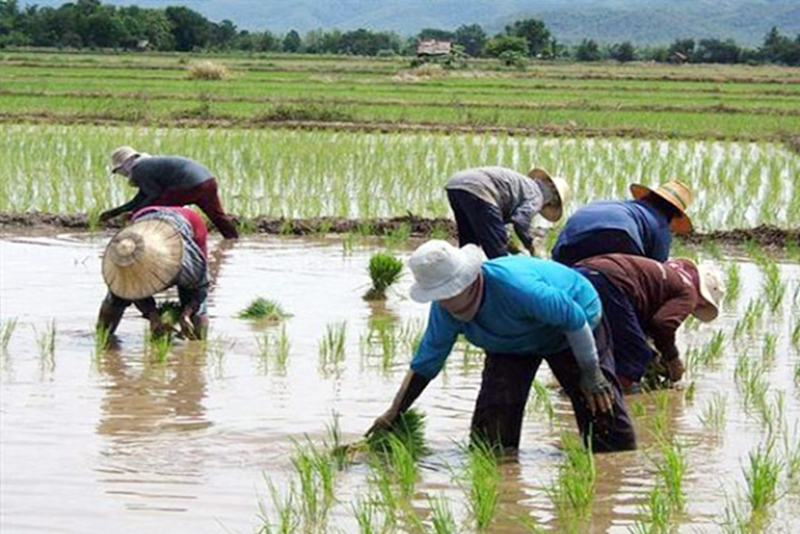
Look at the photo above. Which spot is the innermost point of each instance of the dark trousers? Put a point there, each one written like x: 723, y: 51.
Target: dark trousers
x: 206, y: 197
x: 479, y: 223
x: 595, y: 244
x: 507, y: 380
x: 632, y: 354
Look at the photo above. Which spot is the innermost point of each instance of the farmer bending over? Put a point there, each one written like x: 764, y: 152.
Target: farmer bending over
x: 164, y: 247
x: 169, y: 181
x: 485, y: 199
x: 520, y: 310
x: 642, y: 227
x: 644, y: 298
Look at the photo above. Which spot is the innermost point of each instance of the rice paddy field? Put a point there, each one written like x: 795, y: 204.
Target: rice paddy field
x: 243, y: 432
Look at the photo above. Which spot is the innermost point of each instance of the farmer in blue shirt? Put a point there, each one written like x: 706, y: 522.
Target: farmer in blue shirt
x: 520, y: 310
x: 641, y: 227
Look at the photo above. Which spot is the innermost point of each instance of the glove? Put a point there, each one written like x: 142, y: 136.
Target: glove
x: 596, y: 390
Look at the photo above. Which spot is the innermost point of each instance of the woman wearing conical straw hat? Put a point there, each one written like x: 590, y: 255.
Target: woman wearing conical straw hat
x: 645, y: 298
x: 520, y: 310
x: 642, y: 226
x: 169, y: 181
x: 485, y: 199
x: 163, y: 247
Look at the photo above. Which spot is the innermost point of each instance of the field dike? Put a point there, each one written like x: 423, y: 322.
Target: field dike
x: 419, y: 227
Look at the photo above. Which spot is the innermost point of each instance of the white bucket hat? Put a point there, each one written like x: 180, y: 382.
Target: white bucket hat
x: 121, y: 156
x: 553, y: 211
x: 712, y: 289
x: 442, y: 271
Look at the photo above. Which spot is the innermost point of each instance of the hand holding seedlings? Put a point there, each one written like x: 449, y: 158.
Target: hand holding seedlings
x: 596, y: 390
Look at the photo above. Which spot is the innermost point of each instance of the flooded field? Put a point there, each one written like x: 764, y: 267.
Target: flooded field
x: 117, y: 441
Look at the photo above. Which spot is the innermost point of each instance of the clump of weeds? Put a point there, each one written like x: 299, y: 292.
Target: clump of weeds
x: 265, y: 310
x: 384, y: 270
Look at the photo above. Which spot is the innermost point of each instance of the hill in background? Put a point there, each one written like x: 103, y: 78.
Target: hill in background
x: 608, y: 21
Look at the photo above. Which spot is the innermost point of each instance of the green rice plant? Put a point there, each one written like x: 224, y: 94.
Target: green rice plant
x: 774, y: 288
x: 671, y: 469
x: 791, y: 458
x: 7, y: 330
x: 263, y: 309
x: 170, y: 312
x: 751, y: 381
x: 712, y: 350
x: 772, y: 413
x: 484, y: 483
x: 689, y: 393
x: 331, y: 347
x: 274, y: 347
x: 157, y: 347
x: 734, y: 282
x: 638, y: 408
x: 315, y: 471
x: 348, y: 243
x: 655, y: 514
x: 384, y: 270
x: 102, y: 337
x: 572, y: 492
x: 439, y: 231
x: 367, y: 514
x: 287, y: 519
x: 397, y: 237
x: 713, y: 415
x: 409, y: 428
x: 761, y: 475
x: 442, y: 517
x: 768, y: 349
x: 796, y: 336
x: 402, y: 464
x: 660, y: 418
x: 46, y: 341
x: 542, y: 402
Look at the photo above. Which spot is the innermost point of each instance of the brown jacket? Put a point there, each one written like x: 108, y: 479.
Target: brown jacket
x: 661, y: 296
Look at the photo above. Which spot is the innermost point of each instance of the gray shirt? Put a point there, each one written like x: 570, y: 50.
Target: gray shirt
x: 518, y: 197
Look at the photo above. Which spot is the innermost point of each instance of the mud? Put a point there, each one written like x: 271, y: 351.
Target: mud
x: 763, y: 235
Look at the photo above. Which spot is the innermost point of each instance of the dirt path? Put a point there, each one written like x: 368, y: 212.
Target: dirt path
x: 24, y: 223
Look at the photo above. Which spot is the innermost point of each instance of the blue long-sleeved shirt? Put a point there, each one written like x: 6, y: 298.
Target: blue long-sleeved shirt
x: 528, y: 304
x: 646, y: 226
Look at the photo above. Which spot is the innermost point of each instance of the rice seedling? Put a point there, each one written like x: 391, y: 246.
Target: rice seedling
x: 712, y: 350
x: 689, y: 393
x: 208, y: 70
x: 713, y: 415
x: 315, y: 471
x: 368, y: 516
x: 402, y: 465
x: 331, y: 347
x: 274, y: 347
x: 157, y: 347
x: 654, y: 515
x: 7, y: 330
x: 752, y: 383
x: 796, y: 336
x: 768, y: 349
x: 774, y: 288
x: 761, y: 475
x: 263, y: 309
x: 542, y: 402
x: 734, y: 282
x: 442, y: 517
x: 397, y: 237
x: 287, y: 519
x: 409, y: 428
x: 46, y: 341
x: 384, y: 270
x: 572, y: 492
x: 348, y: 243
x: 102, y: 337
x: 484, y: 483
x: 791, y: 458
x: 671, y: 468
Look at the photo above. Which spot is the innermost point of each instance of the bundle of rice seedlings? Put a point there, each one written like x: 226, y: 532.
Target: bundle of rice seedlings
x: 384, y: 269
x: 170, y: 312
x: 409, y: 428
x: 208, y: 70
x: 263, y: 309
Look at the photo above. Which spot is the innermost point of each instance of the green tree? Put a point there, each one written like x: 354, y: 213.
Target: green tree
x: 623, y: 52
x: 189, y: 29
x: 588, y: 51
x: 435, y: 34
x: 535, y: 33
x: 472, y: 38
x: 717, y: 51
x: 292, y: 42
x: 685, y: 47
x: 505, y: 43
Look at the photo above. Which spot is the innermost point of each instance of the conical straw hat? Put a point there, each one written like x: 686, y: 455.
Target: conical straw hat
x: 677, y: 194
x: 552, y: 212
x: 143, y: 259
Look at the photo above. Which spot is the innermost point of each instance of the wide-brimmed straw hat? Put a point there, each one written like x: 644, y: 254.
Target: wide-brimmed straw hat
x: 143, y: 259
x: 677, y: 194
x: 122, y: 155
x: 442, y: 271
x: 553, y: 211
x: 709, y: 285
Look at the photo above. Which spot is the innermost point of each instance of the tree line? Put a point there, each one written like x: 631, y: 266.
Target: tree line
x: 90, y: 24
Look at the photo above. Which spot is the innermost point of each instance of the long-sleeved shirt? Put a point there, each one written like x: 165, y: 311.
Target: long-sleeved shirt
x: 528, y: 305
x: 647, y: 227
x: 192, y: 279
x: 518, y: 197
x: 661, y: 297
x: 154, y: 175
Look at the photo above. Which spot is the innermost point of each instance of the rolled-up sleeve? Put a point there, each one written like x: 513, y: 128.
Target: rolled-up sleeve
x: 437, y: 342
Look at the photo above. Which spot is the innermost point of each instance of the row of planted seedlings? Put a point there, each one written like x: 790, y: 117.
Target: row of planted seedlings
x: 296, y: 174
x: 757, y: 353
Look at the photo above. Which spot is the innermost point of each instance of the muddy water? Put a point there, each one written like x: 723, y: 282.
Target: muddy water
x: 118, y: 442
